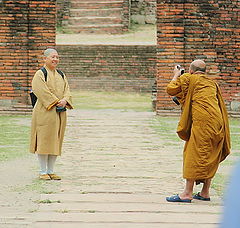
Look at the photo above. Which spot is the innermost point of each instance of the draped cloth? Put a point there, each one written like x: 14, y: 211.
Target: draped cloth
x: 203, y: 125
x: 48, y: 126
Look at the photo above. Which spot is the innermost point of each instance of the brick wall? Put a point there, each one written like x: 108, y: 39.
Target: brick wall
x: 107, y: 67
x: 143, y: 11
x: 126, y: 15
x: 63, y: 12
x: 74, y: 15
x: 208, y: 30
x: 27, y: 27
x: 140, y: 11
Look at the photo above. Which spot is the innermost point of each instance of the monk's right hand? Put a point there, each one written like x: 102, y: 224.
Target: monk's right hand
x: 177, y: 70
x: 62, y: 103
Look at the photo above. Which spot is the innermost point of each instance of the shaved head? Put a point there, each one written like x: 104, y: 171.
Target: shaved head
x: 48, y: 51
x: 198, y: 65
x: 51, y: 58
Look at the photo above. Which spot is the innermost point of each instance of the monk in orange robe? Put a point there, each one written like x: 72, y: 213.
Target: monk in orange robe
x: 203, y: 125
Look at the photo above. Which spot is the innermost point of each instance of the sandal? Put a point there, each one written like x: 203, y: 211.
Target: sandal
x: 199, y: 197
x: 176, y: 198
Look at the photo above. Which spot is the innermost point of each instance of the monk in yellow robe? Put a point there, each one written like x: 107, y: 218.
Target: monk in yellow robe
x: 203, y: 125
x: 48, y: 125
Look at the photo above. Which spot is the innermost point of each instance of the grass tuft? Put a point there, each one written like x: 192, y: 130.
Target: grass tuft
x: 112, y: 100
x: 14, y: 134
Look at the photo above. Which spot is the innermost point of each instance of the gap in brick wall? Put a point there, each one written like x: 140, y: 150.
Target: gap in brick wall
x: 110, y: 62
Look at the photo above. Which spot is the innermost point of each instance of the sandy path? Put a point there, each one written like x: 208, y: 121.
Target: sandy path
x: 116, y: 173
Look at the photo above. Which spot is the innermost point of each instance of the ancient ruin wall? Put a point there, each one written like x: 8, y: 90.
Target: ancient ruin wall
x: 143, y: 11
x: 208, y: 30
x: 27, y: 28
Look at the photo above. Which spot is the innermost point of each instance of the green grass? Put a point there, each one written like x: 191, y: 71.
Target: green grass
x: 166, y: 128
x: 47, y: 201
x: 112, y: 100
x: 14, y: 136
x: 219, y: 183
x: 38, y: 186
x: 235, y: 135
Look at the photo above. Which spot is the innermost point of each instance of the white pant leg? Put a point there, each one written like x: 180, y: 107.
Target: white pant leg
x: 43, y: 159
x: 51, y: 162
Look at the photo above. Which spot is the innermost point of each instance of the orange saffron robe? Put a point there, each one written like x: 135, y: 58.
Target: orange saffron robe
x: 209, y: 138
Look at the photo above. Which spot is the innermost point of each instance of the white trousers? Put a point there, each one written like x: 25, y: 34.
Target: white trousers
x: 46, y: 163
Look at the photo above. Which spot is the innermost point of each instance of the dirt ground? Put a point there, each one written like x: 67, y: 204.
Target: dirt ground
x: 116, y: 172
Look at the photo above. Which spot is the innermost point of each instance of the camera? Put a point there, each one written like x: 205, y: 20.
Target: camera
x: 175, y: 100
x: 60, y: 109
x: 179, y: 68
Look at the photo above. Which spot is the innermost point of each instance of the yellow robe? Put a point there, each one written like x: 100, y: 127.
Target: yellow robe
x: 48, y: 126
x: 209, y: 140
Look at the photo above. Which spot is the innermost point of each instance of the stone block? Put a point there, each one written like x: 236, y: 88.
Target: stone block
x: 138, y: 19
x: 150, y: 19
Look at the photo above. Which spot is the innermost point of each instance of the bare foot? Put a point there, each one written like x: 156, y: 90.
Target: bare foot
x: 204, y: 194
x: 185, y: 196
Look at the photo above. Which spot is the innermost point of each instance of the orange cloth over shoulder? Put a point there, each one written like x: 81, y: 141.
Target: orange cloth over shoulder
x: 203, y: 125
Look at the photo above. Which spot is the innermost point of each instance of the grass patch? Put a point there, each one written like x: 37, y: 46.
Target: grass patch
x: 38, y: 186
x: 48, y: 201
x: 112, y: 100
x: 64, y: 211
x: 235, y: 133
x: 91, y: 211
x: 14, y: 135
x: 218, y: 183
x: 166, y: 128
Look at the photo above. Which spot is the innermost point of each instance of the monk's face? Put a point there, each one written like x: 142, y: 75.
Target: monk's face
x: 52, y: 60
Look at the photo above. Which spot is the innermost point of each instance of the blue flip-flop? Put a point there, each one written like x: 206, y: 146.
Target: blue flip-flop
x: 176, y: 198
x: 199, y: 197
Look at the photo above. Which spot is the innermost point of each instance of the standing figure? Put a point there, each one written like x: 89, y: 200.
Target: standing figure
x: 49, y: 114
x: 203, y: 125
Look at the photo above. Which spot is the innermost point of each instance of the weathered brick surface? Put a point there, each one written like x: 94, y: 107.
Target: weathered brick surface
x: 27, y: 27
x: 63, y: 12
x: 109, y: 67
x: 143, y: 11
x: 93, y: 16
x: 140, y: 11
x: 208, y: 30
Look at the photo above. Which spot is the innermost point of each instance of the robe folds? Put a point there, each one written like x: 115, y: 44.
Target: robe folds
x: 48, y: 126
x: 207, y: 138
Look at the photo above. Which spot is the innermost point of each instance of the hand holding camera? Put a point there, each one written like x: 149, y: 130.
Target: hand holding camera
x: 178, y: 71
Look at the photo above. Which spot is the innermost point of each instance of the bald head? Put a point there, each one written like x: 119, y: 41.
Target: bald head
x: 197, y: 65
x: 51, y: 58
x: 48, y: 51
